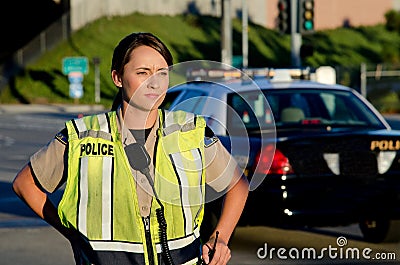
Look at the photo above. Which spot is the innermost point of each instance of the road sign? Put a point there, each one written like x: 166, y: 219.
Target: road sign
x: 75, y: 84
x: 75, y: 64
x: 76, y: 90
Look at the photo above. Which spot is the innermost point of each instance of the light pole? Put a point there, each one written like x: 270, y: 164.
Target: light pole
x: 96, y: 63
x: 295, y: 35
x: 245, y: 35
x: 226, y: 49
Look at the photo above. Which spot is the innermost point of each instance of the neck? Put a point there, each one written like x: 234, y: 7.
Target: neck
x: 137, y: 119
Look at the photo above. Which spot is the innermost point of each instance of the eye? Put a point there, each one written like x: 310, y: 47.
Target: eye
x: 163, y: 73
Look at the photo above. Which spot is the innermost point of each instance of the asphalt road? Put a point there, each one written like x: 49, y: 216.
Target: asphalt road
x: 25, y: 239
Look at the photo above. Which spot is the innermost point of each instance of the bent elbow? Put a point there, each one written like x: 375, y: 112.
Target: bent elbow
x: 16, y: 185
x: 23, y: 177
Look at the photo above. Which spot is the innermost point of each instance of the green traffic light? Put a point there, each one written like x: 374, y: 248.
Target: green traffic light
x: 308, y: 25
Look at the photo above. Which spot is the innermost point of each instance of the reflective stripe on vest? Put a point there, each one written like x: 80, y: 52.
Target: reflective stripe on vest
x: 138, y: 247
x: 173, y: 123
x: 185, y: 190
x: 106, y: 214
x: 180, y: 147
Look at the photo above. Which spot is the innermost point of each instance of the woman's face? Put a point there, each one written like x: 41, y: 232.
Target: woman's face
x: 145, y: 80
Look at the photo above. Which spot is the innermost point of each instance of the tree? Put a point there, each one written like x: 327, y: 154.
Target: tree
x: 392, y: 20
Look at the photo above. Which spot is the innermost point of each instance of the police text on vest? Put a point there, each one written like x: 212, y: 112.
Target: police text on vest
x: 97, y: 149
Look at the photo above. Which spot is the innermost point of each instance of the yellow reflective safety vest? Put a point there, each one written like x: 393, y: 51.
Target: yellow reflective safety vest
x: 100, y: 195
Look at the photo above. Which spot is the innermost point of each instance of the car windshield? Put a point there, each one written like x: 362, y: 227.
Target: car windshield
x: 294, y: 108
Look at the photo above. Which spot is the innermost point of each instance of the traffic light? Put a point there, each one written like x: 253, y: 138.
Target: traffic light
x: 284, y: 21
x: 306, y: 16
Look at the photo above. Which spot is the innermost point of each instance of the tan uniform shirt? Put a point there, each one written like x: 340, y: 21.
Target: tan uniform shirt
x: 49, y: 162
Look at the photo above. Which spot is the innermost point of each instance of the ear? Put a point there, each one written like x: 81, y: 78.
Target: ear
x: 116, y: 78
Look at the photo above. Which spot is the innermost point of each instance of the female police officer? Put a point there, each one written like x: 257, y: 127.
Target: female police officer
x: 114, y: 209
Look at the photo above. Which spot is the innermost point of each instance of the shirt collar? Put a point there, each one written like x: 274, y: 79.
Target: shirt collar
x: 127, y: 137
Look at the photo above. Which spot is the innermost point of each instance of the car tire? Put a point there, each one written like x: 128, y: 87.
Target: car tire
x: 380, y: 230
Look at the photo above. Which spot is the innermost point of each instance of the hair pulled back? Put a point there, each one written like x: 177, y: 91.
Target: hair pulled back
x: 123, y: 50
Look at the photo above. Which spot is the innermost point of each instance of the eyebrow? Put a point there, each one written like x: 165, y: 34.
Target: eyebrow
x: 149, y: 69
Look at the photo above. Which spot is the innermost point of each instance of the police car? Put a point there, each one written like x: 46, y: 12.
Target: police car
x: 315, y: 154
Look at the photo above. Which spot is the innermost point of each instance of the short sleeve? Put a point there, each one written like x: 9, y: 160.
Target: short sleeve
x: 221, y: 167
x: 48, y: 163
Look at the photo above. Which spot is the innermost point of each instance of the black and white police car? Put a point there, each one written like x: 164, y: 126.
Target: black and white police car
x: 315, y: 154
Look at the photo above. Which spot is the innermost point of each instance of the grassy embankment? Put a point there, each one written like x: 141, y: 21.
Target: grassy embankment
x: 194, y: 38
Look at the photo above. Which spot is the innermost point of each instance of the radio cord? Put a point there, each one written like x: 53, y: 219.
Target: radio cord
x: 162, y: 223
x: 139, y: 159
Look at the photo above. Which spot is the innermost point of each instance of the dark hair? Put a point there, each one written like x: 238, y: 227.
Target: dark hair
x: 126, y: 46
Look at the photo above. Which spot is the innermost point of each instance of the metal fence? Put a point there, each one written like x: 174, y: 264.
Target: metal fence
x: 58, y: 31
x: 377, y: 73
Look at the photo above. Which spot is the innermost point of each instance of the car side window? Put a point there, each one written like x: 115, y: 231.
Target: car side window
x: 187, y: 100
x: 193, y: 101
x: 336, y: 107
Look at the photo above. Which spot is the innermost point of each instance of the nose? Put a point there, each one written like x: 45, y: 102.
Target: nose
x: 153, y: 82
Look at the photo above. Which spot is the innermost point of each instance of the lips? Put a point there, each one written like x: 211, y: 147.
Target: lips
x: 151, y: 95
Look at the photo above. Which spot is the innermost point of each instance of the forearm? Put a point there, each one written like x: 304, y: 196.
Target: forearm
x: 27, y: 190
x: 25, y: 187
x: 234, y: 202
x: 232, y: 208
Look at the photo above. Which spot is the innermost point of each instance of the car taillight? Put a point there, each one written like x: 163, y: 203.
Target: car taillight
x: 279, y: 164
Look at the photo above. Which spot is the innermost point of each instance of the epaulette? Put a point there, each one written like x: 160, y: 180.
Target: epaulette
x: 61, y: 137
x: 209, y: 137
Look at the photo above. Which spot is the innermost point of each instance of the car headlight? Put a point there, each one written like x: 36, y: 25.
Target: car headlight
x: 332, y: 160
x: 385, y: 160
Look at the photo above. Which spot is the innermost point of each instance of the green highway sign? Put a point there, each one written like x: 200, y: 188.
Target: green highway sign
x: 75, y: 64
